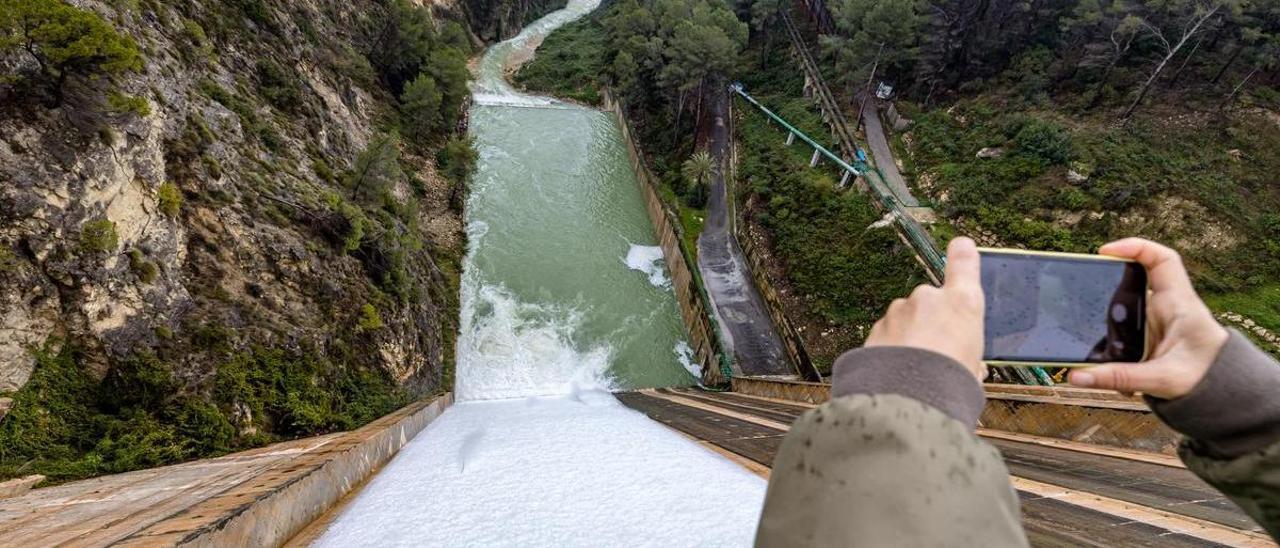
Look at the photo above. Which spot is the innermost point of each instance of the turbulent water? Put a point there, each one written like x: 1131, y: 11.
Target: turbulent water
x: 563, y: 288
x: 564, y: 297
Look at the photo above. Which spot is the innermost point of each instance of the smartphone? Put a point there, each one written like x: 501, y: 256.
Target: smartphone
x: 1063, y: 309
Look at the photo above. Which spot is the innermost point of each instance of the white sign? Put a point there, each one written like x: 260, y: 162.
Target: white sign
x: 884, y: 91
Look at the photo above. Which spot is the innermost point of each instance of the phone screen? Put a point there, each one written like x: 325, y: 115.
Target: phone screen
x: 1043, y: 308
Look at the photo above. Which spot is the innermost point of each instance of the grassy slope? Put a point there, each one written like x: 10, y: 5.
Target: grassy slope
x: 1199, y: 183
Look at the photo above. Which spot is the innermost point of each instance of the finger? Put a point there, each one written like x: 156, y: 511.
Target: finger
x: 923, y: 291
x: 1148, y: 378
x: 964, y: 267
x: 877, y: 331
x: 1164, y: 266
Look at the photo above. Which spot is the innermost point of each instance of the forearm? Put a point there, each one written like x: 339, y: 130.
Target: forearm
x: 1235, y: 409
x: 1232, y: 423
x: 891, y: 460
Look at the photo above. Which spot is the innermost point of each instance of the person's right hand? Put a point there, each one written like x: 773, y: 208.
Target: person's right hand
x: 1185, y: 338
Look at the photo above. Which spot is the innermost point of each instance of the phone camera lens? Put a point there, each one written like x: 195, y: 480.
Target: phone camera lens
x: 1119, y: 312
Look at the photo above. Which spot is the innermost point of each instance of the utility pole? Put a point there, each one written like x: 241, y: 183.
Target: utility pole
x: 874, y: 66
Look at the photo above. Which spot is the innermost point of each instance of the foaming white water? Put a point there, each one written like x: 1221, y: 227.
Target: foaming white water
x: 511, y: 349
x: 685, y: 355
x: 552, y: 472
x: 649, y: 260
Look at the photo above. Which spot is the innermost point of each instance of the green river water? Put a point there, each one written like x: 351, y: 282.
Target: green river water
x: 563, y: 286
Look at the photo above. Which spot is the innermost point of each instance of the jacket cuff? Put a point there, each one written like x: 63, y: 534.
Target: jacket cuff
x: 922, y: 375
x: 1234, y: 409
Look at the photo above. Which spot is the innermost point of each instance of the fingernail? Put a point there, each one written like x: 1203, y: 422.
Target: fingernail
x: 1081, y: 379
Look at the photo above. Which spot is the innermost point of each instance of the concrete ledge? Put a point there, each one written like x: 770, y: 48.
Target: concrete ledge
x: 261, y: 497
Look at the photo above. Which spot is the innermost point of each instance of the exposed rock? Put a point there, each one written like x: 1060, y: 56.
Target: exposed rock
x: 16, y: 487
x: 1075, y: 177
x: 990, y: 152
x: 248, y: 252
x: 1189, y: 225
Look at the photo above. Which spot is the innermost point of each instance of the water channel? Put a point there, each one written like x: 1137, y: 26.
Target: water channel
x: 565, y: 298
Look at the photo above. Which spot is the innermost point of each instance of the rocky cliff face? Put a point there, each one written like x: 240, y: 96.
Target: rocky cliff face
x: 209, y: 232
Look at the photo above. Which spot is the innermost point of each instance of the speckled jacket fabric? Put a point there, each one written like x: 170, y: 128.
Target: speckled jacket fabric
x: 892, y: 459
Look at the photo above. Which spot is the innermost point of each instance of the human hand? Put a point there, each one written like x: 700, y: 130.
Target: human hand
x: 1185, y: 338
x: 947, y: 319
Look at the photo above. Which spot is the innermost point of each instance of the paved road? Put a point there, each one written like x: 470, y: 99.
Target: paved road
x: 882, y: 156
x: 741, y: 311
x: 1069, y: 498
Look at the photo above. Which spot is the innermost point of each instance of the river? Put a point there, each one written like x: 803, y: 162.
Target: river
x: 565, y: 298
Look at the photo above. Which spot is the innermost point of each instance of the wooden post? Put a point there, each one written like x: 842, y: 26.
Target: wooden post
x: 844, y: 179
x: 791, y: 138
x: 813, y: 162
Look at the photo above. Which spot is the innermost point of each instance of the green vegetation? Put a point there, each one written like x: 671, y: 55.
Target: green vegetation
x: 278, y: 87
x: 660, y: 58
x: 99, y: 236
x: 1109, y: 117
x: 698, y: 171
x: 457, y: 161
x: 120, y: 102
x: 67, y: 425
x: 570, y: 63
x: 425, y: 67
x: 65, y: 42
x: 146, y: 270
x: 169, y: 198
x: 370, y: 319
x: 420, y: 108
x: 845, y: 270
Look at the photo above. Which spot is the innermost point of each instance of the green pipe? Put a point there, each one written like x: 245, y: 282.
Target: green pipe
x: 923, y: 244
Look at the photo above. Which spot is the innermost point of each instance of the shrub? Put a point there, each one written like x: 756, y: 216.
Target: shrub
x: 280, y: 89
x: 170, y: 199
x: 98, y: 236
x: 1047, y: 141
x: 121, y: 102
x: 370, y: 319
x: 146, y: 270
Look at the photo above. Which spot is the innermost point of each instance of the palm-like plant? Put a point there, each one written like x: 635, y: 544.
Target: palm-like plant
x: 699, y: 168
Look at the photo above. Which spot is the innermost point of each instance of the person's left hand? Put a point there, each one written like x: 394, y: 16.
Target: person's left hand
x: 946, y: 320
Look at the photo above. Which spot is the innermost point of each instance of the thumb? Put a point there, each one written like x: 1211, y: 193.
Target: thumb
x: 1148, y: 378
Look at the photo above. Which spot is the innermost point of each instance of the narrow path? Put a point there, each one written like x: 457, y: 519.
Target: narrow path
x: 882, y: 155
x: 741, y: 311
x: 1069, y: 498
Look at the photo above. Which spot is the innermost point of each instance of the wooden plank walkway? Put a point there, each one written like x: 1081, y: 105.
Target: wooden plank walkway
x: 1069, y: 497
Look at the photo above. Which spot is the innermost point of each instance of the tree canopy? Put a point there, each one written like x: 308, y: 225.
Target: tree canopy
x: 419, y: 61
x: 64, y: 41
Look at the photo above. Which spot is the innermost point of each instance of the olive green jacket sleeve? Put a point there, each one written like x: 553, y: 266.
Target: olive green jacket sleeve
x: 1232, y: 423
x: 891, y: 460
